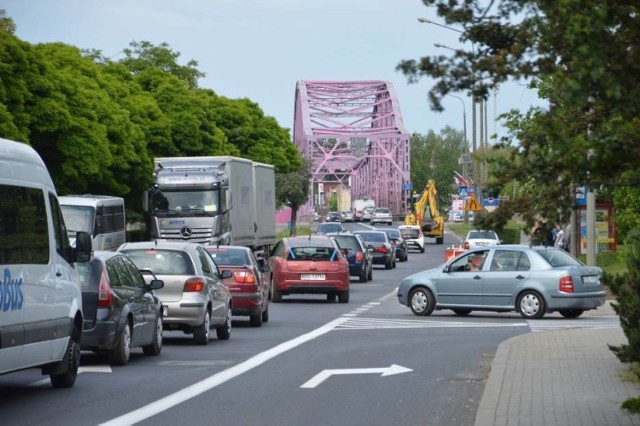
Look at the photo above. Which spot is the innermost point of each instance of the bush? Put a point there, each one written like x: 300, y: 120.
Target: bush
x: 626, y: 288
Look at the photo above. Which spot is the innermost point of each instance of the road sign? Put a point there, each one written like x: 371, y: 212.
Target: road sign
x: 473, y: 204
x: 462, y: 192
x: 407, y: 186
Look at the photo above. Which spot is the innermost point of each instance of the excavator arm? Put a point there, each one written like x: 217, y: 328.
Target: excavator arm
x: 433, y: 226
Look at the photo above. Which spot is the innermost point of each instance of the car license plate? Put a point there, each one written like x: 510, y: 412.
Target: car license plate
x: 312, y: 277
x: 165, y: 311
x: 590, y: 279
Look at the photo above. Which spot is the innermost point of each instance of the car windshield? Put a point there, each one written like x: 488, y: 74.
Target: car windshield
x: 410, y: 232
x: 482, y: 235
x: 382, y: 210
x: 373, y: 237
x: 558, y: 257
x: 162, y: 262
x: 224, y: 256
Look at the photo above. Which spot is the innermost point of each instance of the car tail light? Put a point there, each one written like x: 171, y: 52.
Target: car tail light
x: 382, y: 249
x: 244, y: 277
x: 566, y: 284
x: 194, y: 284
x: 359, y: 256
x: 105, y: 295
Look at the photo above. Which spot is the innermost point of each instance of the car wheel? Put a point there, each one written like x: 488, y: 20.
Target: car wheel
x: 276, y: 295
x: 439, y: 240
x: 255, y: 320
x: 121, y: 353
x: 421, y: 302
x: 265, y: 314
x: 531, y: 305
x: 388, y: 264
x: 422, y: 249
x: 343, y: 297
x: 370, y: 273
x: 68, y: 378
x: 201, y: 332
x: 362, y: 276
x: 156, y: 345
x: 571, y: 313
x: 394, y: 263
x: 331, y: 297
x: 462, y: 312
x: 224, y: 331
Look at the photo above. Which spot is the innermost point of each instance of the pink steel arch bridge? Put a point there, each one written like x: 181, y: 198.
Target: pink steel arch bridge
x: 354, y: 134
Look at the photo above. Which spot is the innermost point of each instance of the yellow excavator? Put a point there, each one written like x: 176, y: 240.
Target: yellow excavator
x: 433, y: 225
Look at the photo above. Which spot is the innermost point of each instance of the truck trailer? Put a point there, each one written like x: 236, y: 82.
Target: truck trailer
x: 213, y: 201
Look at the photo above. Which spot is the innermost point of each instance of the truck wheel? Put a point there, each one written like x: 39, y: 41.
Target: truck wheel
x: 439, y: 240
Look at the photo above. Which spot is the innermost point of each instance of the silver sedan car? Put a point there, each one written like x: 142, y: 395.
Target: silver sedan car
x: 194, y: 297
x: 530, y: 280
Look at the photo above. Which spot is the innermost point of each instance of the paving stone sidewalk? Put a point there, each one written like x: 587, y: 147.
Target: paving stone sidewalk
x: 559, y: 377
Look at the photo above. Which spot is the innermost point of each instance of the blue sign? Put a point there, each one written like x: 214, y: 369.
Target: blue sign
x: 463, y: 192
x: 581, y: 195
x: 407, y: 186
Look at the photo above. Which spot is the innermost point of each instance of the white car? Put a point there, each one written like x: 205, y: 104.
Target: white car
x: 366, y: 214
x: 382, y: 215
x: 413, y: 235
x: 480, y: 238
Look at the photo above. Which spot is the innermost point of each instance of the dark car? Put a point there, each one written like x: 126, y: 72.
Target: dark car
x: 249, y: 287
x: 358, y: 255
x: 383, y: 250
x: 329, y: 227
x: 402, y: 249
x: 334, y: 217
x: 120, y: 310
x: 194, y: 297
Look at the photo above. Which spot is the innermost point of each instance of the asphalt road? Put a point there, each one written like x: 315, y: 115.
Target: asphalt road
x: 314, y: 362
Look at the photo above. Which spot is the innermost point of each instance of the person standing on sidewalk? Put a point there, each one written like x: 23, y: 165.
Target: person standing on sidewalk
x: 559, y: 242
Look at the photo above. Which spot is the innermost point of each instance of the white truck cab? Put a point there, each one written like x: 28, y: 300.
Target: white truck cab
x: 40, y: 299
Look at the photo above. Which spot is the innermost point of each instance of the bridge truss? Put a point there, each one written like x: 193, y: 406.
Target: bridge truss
x: 354, y: 134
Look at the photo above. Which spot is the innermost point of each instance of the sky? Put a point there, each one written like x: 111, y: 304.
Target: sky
x: 259, y: 49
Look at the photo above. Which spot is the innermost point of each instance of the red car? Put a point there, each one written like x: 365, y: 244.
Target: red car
x: 312, y: 264
x: 249, y: 287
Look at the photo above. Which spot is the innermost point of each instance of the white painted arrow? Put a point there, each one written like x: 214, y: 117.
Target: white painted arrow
x: 325, y: 374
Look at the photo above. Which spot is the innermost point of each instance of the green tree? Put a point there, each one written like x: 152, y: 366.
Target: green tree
x: 292, y: 190
x: 435, y: 156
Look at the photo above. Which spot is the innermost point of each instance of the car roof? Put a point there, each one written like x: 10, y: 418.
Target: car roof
x: 226, y: 248
x: 158, y: 244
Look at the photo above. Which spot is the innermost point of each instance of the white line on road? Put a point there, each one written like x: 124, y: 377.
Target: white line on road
x: 94, y: 369
x: 217, y: 379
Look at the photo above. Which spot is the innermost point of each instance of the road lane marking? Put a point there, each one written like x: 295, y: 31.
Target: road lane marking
x: 217, y: 379
x: 393, y: 369
x: 377, y: 323
x: 94, y: 369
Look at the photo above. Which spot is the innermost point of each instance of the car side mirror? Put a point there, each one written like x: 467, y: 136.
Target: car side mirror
x: 83, y: 249
x: 226, y: 274
x: 155, y: 285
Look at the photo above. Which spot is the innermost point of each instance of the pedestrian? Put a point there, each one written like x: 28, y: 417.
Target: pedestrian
x: 559, y: 242
x: 567, y: 238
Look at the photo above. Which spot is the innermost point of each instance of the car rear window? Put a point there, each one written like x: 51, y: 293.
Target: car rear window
x: 346, y: 242
x: 476, y: 235
x: 330, y: 228
x: 374, y: 237
x: 162, y: 262
x: 312, y: 253
x: 410, y: 233
x: 230, y: 257
x: 392, y: 233
x: 558, y: 257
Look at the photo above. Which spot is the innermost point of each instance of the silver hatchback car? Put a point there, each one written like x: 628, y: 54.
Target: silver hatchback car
x: 530, y: 280
x: 194, y: 297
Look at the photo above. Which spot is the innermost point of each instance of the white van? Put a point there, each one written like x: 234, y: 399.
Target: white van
x: 40, y: 299
x: 102, y: 216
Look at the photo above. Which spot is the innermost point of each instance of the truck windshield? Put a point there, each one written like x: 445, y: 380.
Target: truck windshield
x: 186, y: 203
